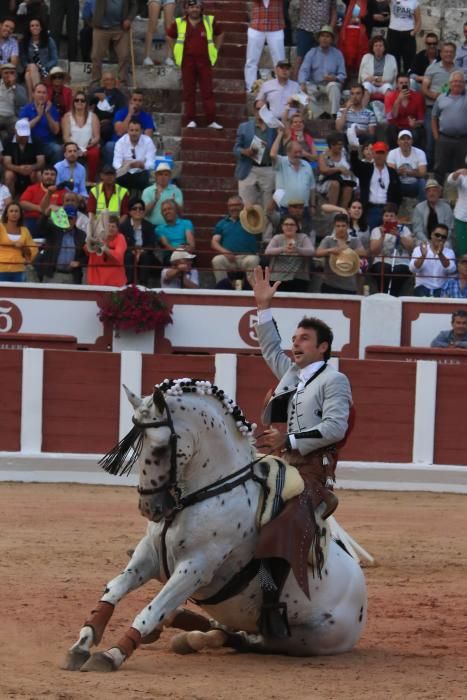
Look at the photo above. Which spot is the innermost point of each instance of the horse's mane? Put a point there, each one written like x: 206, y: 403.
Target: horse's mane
x: 178, y: 387
x: 121, y: 458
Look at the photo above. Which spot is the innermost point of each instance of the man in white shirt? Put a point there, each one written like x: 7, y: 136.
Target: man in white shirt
x: 432, y: 263
x: 314, y: 401
x: 276, y: 93
x: 410, y: 164
x: 134, y: 158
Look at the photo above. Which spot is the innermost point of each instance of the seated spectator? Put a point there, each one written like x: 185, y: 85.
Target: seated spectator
x: 275, y: 93
x: 378, y: 183
x: 266, y: 26
x: 44, y: 121
x: 9, y: 51
x: 38, y: 54
x: 58, y: 93
x: 141, y: 257
x: 410, y: 164
x: 457, y: 336
x: 70, y: 172
x: 295, y: 130
x: 22, y: 159
x: 391, y: 246
x: 33, y: 195
x: 107, y: 194
x: 62, y: 257
x: 17, y: 248
x: 121, y: 121
x: 378, y: 70
x: 154, y: 10
x: 134, y: 158
x: 431, y: 263
x: 341, y: 254
x: 432, y: 212
x: 105, y: 100
x: 458, y: 179
x: 106, y: 267
x: 404, y: 109
x: 296, y: 209
x: 5, y: 197
x: 81, y: 126
x: 355, y: 113
x: 294, y: 177
x: 358, y: 227
x: 289, y: 255
x: 235, y: 240
x: 335, y: 181
x: 254, y: 171
x: 461, y: 54
x: 175, y: 232
x: 323, y: 69
x: 12, y: 98
x: 180, y: 274
x: 35, y: 9
x: 423, y: 60
x: 449, y: 127
x: 162, y: 190
x: 456, y: 286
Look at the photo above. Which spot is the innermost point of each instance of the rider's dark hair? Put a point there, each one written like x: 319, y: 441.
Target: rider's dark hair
x: 323, y: 333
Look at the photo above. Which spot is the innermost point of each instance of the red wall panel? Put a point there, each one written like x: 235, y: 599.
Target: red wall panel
x: 80, y: 401
x: 451, y: 410
x: 254, y: 379
x: 11, y: 366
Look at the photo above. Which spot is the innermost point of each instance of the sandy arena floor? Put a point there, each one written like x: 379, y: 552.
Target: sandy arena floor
x: 59, y: 544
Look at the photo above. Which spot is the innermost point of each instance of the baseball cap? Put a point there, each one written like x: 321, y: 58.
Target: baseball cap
x: 404, y: 132
x: 283, y: 63
x: 7, y: 66
x: 181, y: 255
x: 380, y: 147
x: 70, y: 211
x: 163, y: 167
x: 22, y: 127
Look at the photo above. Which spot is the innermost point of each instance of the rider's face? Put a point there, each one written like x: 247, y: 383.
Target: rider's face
x: 305, y: 347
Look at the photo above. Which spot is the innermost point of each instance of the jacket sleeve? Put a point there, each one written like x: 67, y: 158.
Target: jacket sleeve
x: 53, y: 54
x: 440, y: 341
x: 239, y: 141
x: 270, y: 344
x: 336, y: 403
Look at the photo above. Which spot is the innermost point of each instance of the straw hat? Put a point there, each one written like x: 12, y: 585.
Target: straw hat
x: 346, y: 263
x: 253, y: 219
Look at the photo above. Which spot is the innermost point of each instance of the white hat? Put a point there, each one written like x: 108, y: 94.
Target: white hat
x: 163, y: 167
x: 56, y: 70
x: 181, y: 255
x: 22, y: 127
x: 404, y: 132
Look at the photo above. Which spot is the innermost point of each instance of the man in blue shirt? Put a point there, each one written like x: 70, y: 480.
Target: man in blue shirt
x: 455, y: 338
x: 237, y: 248
x: 323, y: 69
x: 71, y: 172
x: 44, y: 122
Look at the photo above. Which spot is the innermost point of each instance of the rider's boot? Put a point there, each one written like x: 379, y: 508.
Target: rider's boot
x: 272, y: 621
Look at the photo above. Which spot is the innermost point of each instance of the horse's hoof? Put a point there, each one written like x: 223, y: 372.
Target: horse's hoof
x: 179, y: 644
x: 74, y: 660
x: 99, y: 662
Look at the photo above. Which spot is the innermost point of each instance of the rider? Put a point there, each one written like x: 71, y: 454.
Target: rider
x: 314, y: 401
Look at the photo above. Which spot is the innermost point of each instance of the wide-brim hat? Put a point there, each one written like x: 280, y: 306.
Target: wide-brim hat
x: 345, y: 264
x: 253, y: 219
x: 326, y: 29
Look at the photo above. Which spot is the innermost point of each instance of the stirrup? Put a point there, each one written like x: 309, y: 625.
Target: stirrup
x: 273, y: 621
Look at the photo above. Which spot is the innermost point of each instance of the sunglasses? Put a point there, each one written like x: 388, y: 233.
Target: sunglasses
x: 79, y: 99
x: 431, y: 43
x: 380, y: 181
x: 440, y: 235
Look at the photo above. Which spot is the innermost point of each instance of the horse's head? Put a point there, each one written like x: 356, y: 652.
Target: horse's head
x: 158, y: 459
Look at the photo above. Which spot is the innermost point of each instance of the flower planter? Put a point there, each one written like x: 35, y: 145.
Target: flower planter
x: 129, y: 340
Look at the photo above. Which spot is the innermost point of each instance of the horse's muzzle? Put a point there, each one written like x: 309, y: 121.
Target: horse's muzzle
x: 157, y: 506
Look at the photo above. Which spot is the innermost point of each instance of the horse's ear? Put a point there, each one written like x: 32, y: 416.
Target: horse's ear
x: 159, y: 399
x: 135, y: 401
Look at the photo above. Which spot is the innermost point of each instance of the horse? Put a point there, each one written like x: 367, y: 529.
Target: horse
x: 200, y: 487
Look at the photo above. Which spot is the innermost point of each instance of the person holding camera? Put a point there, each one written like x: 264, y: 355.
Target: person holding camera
x: 391, y: 245
x: 432, y: 262
x: 38, y: 53
x: 404, y: 109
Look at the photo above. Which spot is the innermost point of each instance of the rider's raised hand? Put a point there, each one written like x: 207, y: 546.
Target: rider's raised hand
x: 262, y: 288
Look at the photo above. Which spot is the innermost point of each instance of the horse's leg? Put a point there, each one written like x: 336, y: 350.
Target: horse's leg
x: 190, y: 575
x: 142, y: 566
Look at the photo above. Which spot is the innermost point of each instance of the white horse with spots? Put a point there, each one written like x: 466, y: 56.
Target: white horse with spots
x: 198, y: 490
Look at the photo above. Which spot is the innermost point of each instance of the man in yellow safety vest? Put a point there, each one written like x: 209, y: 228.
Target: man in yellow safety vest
x: 195, y: 40
x: 108, y: 195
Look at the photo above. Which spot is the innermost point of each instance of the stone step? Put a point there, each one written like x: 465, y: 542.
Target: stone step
x: 225, y: 13
x: 203, y: 144
x: 232, y: 50
x: 190, y: 156
x: 200, y: 201
x: 227, y: 134
x: 208, y: 221
x: 207, y: 182
x: 221, y: 170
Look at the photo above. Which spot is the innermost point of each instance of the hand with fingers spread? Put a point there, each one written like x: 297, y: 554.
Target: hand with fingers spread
x: 262, y: 288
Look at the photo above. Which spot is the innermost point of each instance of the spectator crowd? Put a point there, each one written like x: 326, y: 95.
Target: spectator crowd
x: 380, y: 204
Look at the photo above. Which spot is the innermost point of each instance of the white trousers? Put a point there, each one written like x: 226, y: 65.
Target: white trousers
x: 377, y: 89
x: 221, y: 265
x: 254, y: 48
x: 318, y: 95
